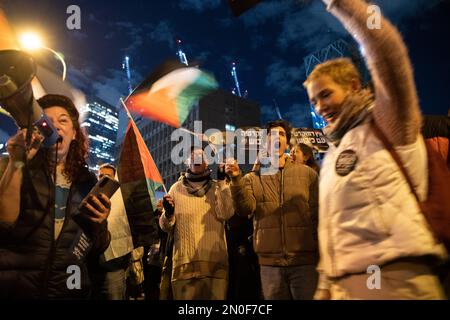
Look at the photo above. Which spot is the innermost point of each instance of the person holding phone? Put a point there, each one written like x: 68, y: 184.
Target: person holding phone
x: 282, y: 199
x: 195, y: 211
x: 44, y: 252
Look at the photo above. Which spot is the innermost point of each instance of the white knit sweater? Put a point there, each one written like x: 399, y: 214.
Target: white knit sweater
x: 198, y: 226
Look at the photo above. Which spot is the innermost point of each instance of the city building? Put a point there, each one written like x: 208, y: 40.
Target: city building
x: 237, y: 86
x: 219, y: 110
x: 180, y: 53
x: 3, y: 148
x: 100, y: 120
x: 8, y: 128
x: 123, y: 116
x: 337, y: 49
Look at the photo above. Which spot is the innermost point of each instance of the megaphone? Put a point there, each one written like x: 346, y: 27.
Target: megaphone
x: 17, y: 70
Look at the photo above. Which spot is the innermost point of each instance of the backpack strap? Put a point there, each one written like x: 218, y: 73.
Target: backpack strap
x: 389, y: 147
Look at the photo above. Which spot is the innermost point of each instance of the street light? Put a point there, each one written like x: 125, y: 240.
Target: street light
x: 31, y: 41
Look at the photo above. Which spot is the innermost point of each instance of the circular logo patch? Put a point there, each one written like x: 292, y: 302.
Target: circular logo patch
x: 346, y: 162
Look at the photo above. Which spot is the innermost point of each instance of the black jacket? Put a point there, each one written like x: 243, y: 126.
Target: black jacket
x: 34, y: 265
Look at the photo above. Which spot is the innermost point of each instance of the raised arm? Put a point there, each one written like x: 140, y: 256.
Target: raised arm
x: 224, y: 201
x: 167, y: 218
x: 241, y: 190
x: 11, y: 175
x: 10, y: 183
x: 396, y: 109
x: 243, y: 198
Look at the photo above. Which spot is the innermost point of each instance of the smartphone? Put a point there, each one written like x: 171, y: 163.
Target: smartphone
x: 221, y: 175
x: 105, y: 185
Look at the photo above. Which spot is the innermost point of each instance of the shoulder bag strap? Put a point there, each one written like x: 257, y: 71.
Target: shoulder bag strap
x: 389, y: 147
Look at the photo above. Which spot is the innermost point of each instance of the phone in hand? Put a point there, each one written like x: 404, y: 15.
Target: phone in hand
x: 105, y: 185
x: 221, y: 175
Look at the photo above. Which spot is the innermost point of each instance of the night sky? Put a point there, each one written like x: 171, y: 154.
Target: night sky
x: 268, y: 43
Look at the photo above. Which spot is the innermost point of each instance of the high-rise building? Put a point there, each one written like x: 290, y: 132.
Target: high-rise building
x: 180, y: 53
x: 101, y: 122
x: 237, y: 87
x: 8, y: 128
x: 126, y: 68
x: 218, y: 110
x: 3, y: 139
x: 3, y: 148
x: 337, y: 49
x: 123, y: 117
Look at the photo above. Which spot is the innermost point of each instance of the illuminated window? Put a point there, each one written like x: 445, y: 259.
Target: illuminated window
x: 229, y: 127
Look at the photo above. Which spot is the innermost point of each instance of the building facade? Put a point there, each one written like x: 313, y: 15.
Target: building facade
x: 219, y: 110
x: 100, y: 120
x: 338, y: 49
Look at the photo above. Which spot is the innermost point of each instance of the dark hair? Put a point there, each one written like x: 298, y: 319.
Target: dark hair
x: 57, y: 100
x: 308, y: 153
x: 108, y: 166
x: 280, y: 123
x: 78, y: 150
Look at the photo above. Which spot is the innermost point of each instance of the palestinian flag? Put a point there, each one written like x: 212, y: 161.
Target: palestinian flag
x: 139, y: 178
x: 170, y: 92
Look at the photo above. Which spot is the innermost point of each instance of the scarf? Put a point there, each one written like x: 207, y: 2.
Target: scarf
x: 189, y: 180
x: 355, y: 110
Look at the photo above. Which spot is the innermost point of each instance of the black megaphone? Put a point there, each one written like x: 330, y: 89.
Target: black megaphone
x: 17, y: 70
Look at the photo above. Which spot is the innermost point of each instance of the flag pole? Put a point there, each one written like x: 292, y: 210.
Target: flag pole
x: 131, y: 118
x: 126, y: 109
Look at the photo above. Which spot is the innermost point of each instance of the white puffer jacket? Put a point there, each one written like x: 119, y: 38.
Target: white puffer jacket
x: 370, y: 216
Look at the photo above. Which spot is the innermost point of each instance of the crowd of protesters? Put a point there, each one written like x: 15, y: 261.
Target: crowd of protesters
x: 301, y: 230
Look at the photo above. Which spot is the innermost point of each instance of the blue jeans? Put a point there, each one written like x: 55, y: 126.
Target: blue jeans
x: 289, y: 283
